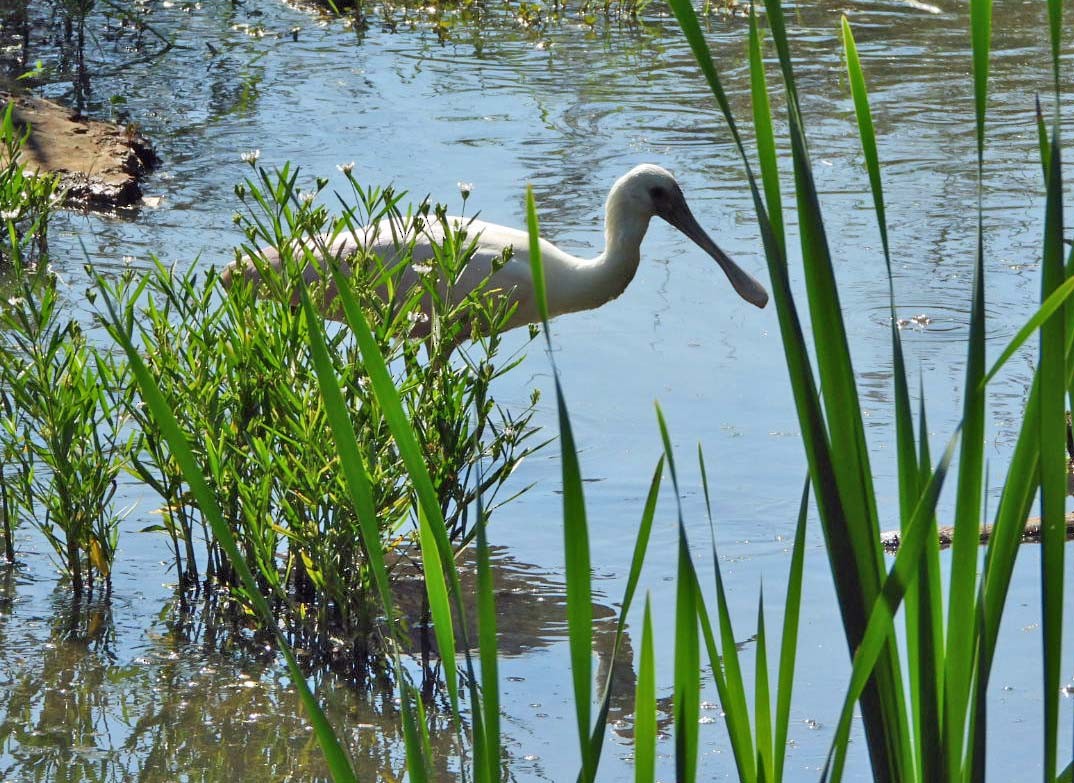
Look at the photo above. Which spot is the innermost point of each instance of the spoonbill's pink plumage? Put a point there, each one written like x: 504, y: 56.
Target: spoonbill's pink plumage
x: 572, y: 283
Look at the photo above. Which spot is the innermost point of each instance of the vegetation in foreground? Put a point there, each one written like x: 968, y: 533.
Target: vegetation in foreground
x: 240, y: 375
x: 923, y: 700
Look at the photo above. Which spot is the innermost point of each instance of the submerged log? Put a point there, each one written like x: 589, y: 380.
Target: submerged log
x: 99, y: 163
x: 946, y: 534
x: 891, y: 539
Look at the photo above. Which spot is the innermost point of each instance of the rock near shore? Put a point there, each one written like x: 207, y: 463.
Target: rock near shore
x: 100, y: 164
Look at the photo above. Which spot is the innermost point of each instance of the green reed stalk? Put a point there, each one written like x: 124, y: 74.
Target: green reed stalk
x: 843, y: 485
x: 645, y: 705
x: 924, y: 600
x: 948, y: 667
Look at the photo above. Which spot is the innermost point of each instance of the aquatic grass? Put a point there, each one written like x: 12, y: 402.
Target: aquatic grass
x: 443, y: 594
x: 843, y: 485
x: 64, y: 431
x: 336, y: 757
x: 940, y: 731
x: 645, y: 704
x: 27, y: 201
x: 575, y: 529
x: 242, y: 372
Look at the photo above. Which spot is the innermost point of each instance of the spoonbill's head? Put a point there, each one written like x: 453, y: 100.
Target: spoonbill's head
x: 649, y: 191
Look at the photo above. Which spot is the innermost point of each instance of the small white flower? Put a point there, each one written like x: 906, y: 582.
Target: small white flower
x: 15, y: 301
x: 422, y: 269
x: 251, y: 157
x: 466, y: 188
x: 417, y: 317
x: 9, y: 214
x: 346, y: 168
x: 306, y: 197
x: 128, y: 260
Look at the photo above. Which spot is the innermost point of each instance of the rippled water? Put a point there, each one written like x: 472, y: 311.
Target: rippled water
x: 568, y: 109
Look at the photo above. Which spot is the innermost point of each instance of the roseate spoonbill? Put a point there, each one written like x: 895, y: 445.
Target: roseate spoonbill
x: 572, y: 283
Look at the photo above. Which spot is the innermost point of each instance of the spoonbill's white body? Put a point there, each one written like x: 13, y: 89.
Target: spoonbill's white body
x: 571, y: 283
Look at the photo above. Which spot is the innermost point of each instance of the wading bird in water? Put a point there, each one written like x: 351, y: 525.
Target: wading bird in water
x: 571, y: 283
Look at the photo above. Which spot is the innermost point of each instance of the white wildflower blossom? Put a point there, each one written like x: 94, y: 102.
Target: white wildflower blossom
x: 251, y: 157
x: 466, y: 188
x: 422, y: 269
x: 306, y: 197
x: 15, y: 301
x: 9, y: 214
x: 417, y: 317
x: 346, y: 168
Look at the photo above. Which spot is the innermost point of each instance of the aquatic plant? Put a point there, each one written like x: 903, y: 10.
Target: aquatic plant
x: 932, y: 723
x: 26, y: 201
x: 63, y: 431
x: 240, y: 378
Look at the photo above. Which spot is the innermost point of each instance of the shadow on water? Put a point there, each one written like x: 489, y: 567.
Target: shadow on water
x: 166, y: 695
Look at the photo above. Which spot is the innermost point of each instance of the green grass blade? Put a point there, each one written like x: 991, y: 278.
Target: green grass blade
x: 641, y: 544
x: 762, y: 123
x: 392, y: 409
x: 432, y: 529
x: 762, y: 699
x: 645, y: 705
x: 354, y: 470
x: 436, y: 590
x: 846, y: 505
x: 1053, y: 386
x: 903, y: 573
x: 980, y: 38
x: 336, y: 758
x: 536, y: 267
x: 687, y: 667
x: 1023, y: 478
x: 733, y: 695
x: 857, y: 578
x: 1055, y: 29
x: 417, y: 760
x: 867, y: 134
x: 575, y: 532
x: 789, y: 643
x: 738, y: 725
x: 924, y: 607
x: 486, y: 629
x: 1042, y: 140
x: 968, y: 503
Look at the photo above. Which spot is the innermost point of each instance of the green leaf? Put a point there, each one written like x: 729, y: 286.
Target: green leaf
x: 575, y: 533
x: 645, y: 705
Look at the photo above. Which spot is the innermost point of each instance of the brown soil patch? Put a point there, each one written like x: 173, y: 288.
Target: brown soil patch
x: 99, y: 163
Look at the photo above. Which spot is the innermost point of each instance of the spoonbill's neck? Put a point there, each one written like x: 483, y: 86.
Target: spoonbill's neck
x: 612, y: 270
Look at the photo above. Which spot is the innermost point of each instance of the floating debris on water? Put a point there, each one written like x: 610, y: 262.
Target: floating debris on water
x: 920, y: 322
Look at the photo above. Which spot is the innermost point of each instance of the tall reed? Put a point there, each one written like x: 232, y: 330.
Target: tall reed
x: 934, y: 729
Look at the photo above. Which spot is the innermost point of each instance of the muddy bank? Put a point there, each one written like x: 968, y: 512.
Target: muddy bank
x: 100, y: 164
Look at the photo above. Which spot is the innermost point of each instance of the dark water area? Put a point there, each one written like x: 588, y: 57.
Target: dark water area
x: 125, y: 694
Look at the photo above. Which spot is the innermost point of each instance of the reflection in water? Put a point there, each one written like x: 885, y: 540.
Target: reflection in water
x: 87, y: 699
